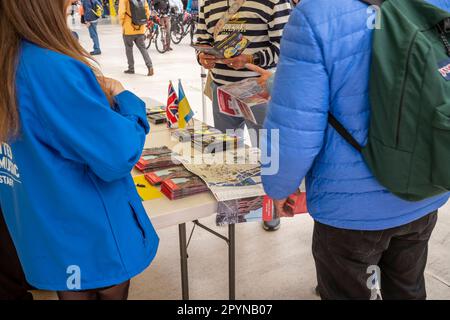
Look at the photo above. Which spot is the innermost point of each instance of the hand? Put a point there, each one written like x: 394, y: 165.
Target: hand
x: 265, y: 74
x: 280, y: 208
x: 115, y: 87
x: 207, y: 61
x: 239, y: 62
x: 88, y: 24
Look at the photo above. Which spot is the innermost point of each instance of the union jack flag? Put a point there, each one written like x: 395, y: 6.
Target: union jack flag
x: 172, y: 107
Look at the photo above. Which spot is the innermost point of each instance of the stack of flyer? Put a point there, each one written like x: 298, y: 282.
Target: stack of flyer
x: 156, y: 115
x: 178, y: 188
x: 212, y: 143
x: 157, y: 177
x: 155, y: 110
x: 156, y: 158
x: 190, y: 134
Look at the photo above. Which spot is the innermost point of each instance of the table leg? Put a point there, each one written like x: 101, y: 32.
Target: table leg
x: 232, y: 261
x: 184, y: 261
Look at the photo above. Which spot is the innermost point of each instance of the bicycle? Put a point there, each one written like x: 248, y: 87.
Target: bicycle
x: 153, y: 34
x: 182, y: 25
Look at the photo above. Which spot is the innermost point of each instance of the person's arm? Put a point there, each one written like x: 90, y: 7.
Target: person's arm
x: 266, y: 77
x: 79, y: 123
x: 202, y: 35
x: 278, y: 20
x: 298, y: 110
x: 122, y: 11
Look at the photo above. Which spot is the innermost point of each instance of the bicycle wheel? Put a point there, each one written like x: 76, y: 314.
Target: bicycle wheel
x: 177, y: 32
x: 159, y: 41
x: 148, y: 38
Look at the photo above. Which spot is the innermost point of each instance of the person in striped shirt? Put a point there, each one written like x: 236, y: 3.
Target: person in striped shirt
x: 262, y: 23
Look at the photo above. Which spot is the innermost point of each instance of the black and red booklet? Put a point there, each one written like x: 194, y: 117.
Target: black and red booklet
x: 178, y: 188
x: 156, y: 158
x: 158, y: 176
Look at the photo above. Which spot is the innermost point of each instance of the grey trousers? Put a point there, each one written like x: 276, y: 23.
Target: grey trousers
x: 137, y: 39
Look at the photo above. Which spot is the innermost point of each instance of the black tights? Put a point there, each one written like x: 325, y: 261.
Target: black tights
x: 118, y: 292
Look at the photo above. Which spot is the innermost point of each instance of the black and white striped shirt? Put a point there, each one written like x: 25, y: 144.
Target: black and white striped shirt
x: 261, y: 21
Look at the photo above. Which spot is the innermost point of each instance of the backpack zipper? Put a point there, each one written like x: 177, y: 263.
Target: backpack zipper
x: 402, y: 98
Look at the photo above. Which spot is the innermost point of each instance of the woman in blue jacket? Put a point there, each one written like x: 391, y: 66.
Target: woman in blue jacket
x: 71, y: 138
x: 359, y: 226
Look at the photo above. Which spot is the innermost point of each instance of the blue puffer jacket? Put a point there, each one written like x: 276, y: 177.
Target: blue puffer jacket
x: 324, y: 65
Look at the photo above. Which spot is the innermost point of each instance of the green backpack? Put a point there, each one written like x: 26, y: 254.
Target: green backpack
x: 408, y: 148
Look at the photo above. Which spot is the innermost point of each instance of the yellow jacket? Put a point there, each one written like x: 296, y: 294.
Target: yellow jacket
x: 125, y: 18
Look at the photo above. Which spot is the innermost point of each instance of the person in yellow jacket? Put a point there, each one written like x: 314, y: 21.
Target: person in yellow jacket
x: 134, y: 34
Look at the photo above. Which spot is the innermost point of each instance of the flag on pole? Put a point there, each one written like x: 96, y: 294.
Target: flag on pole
x: 172, y: 107
x: 184, y: 109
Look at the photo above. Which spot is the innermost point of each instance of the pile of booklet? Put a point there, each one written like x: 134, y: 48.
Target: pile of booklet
x: 156, y: 158
x: 156, y: 115
x: 189, y: 134
x: 178, y: 188
x: 157, y: 118
x: 212, y: 143
x: 153, y: 110
x: 158, y: 176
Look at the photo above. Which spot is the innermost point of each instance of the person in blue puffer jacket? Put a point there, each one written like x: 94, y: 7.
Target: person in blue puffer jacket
x: 363, y: 233
x: 71, y: 138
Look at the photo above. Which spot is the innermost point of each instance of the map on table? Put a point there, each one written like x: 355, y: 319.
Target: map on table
x: 229, y: 181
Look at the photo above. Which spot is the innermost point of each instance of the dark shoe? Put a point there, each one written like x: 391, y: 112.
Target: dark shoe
x: 150, y: 72
x: 129, y: 71
x: 316, y: 291
x: 169, y: 49
x: 96, y: 53
x: 273, y: 225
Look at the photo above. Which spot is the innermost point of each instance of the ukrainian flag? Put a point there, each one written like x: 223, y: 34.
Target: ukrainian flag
x: 185, y: 113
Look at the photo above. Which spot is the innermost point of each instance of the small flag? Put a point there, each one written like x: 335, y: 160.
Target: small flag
x: 172, y: 107
x: 184, y: 108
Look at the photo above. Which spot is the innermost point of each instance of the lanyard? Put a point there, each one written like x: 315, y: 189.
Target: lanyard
x: 232, y: 10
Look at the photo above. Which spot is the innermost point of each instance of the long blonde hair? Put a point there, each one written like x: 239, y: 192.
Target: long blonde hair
x: 42, y: 22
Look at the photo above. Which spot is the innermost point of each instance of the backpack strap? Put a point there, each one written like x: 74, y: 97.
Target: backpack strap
x: 373, y: 2
x: 343, y: 132
x: 332, y: 119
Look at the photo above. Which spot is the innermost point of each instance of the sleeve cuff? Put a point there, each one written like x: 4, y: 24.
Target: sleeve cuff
x: 128, y: 104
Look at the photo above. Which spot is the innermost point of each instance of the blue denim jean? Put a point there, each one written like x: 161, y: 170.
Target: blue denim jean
x: 94, y: 36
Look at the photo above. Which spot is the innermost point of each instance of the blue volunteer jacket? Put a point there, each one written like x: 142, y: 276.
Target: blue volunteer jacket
x: 65, y: 186
x: 324, y: 66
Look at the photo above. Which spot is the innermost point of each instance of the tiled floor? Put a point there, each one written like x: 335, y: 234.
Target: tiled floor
x: 275, y: 265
